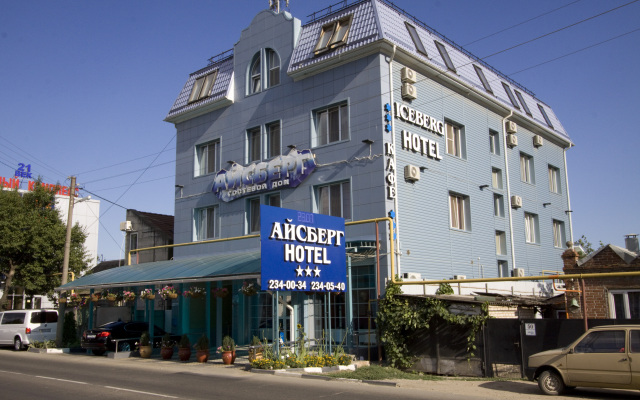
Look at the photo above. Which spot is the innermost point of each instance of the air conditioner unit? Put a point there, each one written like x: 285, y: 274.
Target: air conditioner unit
x: 409, y: 91
x: 518, y: 272
x: 512, y: 127
x: 512, y: 140
x: 457, y: 277
x: 538, y: 141
x: 125, y: 226
x: 411, y: 173
x: 407, y: 75
x: 411, y: 275
x: 516, y: 201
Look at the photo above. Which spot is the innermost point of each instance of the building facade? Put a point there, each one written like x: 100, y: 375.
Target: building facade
x: 365, y: 113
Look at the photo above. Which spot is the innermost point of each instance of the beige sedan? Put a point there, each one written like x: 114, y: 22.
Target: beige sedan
x: 605, y: 357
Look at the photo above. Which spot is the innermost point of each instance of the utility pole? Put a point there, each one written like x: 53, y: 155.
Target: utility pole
x: 65, y: 263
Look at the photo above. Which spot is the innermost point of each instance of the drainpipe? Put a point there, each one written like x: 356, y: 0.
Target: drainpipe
x: 508, y: 199
x: 566, y: 179
x: 395, y: 161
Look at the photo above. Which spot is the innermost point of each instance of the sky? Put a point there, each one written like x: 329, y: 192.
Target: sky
x: 85, y: 86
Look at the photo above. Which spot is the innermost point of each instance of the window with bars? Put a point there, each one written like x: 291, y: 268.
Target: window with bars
x: 207, y: 158
x: 335, y: 199
x: 207, y: 224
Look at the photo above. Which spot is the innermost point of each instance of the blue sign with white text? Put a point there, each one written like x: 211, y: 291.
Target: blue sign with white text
x: 302, y: 251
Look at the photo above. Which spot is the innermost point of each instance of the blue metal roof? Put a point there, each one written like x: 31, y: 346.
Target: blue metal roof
x: 210, y: 268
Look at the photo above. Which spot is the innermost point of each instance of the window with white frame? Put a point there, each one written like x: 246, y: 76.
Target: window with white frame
x: 501, y: 243
x: 531, y: 228
x: 498, y: 205
x: 207, y: 224
x: 333, y: 34
x: 253, y: 215
x: 202, y: 86
x: 254, y: 150
x: 335, y: 199
x: 624, y: 304
x: 207, y: 158
x: 332, y: 124
x: 554, y: 179
x: 496, y: 178
x: 274, y: 200
x: 503, y: 269
x: 459, y: 212
x: 255, y: 75
x: 526, y: 168
x: 558, y: 234
x: 455, y: 139
x: 273, y: 139
x: 273, y: 67
x: 494, y: 142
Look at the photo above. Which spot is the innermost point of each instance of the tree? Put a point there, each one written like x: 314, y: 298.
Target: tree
x: 32, y: 238
x: 585, y: 245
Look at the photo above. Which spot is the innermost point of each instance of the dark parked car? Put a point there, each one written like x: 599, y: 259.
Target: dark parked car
x: 122, y: 334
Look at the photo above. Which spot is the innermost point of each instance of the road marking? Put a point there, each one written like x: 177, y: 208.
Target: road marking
x: 141, y: 392
x: 60, y: 380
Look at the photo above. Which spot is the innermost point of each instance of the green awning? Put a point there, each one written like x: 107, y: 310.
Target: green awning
x: 245, y: 265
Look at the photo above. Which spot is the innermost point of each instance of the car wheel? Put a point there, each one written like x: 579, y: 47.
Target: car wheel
x: 17, y: 344
x: 98, y: 352
x: 124, y: 346
x: 551, y: 383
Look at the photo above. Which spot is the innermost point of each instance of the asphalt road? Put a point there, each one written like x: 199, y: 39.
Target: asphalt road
x: 27, y: 376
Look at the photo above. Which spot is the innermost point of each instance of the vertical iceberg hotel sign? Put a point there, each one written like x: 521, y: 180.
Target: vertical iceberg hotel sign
x: 302, y: 251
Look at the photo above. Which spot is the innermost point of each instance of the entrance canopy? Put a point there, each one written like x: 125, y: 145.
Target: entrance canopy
x: 229, y: 266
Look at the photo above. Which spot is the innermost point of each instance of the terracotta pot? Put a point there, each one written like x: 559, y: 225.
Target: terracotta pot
x: 145, y: 351
x: 166, y: 353
x: 184, y: 353
x: 227, y: 357
x: 202, y: 356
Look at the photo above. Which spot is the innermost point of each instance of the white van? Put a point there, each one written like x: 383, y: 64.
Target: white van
x: 19, y: 328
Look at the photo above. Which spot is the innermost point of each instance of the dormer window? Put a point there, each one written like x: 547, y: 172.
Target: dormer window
x: 483, y: 79
x: 509, y: 93
x: 545, y: 116
x: 333, y: 35
x: 416, y: 39
x: 445, y: 56
x: 202, y: 87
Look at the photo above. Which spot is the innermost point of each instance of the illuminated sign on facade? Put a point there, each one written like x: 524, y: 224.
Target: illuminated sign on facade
x: 301, y: 251
x: 280, y: 172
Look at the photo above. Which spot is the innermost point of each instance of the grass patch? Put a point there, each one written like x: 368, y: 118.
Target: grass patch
x: 377, y: 373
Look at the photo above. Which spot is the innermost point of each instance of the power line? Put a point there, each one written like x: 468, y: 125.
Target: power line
x: 123, y: 162
x: 130, y: 172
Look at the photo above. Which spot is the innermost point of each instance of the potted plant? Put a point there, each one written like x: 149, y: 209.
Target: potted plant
x: 184, y: 348
x: 220, y: 292
x: 166, y: 350
x: 202, y: 349
x: 228, y: 350
x: 145, y: 348
x: 95, y: 296
x: 108, y: 295
x: 74, y: 300
x: 168, y: 292
x: 147, y: 294
x: 255, y: 349
x: 195, y: 292
x: 249, y: 288
x: 128, y: 296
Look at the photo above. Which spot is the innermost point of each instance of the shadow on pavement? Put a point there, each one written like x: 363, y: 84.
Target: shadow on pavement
x: 520, y: 387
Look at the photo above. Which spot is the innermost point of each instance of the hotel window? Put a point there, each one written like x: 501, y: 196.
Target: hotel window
x: 255, y: 75
x: 254, y: 152
x: 483, y: 79
x: 335, y: 200
x: 501, y: 243
x: 524, y: 103
x: 545, y: 116
x: 416, y: 39
x: 554, y: 179
x: 273, y: 139
x: 526, y: 168
x: 207, y: 158
x: 513, y: 100
x: 624, y: 304
x: 494, y: 142
x: 274, y: 200
x: 273, y: 66
x: 202, y: 87
x: 558, y: 234
x: 498, y: 205
x: 531, y: 228
x: 332, y: 124
x: 459, y: 212
x: 333, y: 35
x: 503, y: 269
x: 496, y: 178
x: 455, y: 140
x: 445, y: 56
x: 207, y: 223
x: 253, y: 217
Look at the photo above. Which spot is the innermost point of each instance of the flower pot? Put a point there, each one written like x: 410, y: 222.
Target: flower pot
x: 184, y: 353
x: 166, y: 353
x: 227, y: 357
x: 172, y: 296
x: 202, y: 356
x: 94, y: 297
x: 111, y: 297
x: 145, y: 351
x: 150, y: 297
